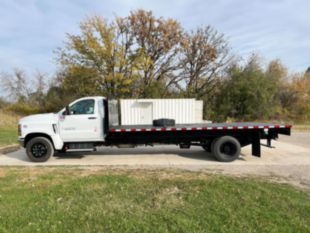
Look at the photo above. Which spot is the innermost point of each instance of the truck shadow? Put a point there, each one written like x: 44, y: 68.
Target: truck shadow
x: 196, y: 154
x: 173, y: 153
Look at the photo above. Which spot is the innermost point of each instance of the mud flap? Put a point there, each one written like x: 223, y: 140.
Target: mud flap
x: 256, y: 150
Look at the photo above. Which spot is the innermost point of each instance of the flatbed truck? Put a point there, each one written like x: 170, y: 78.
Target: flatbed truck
x: 89, y: 122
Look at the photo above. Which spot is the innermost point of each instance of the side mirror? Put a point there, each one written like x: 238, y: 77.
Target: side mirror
x: 67, y: 111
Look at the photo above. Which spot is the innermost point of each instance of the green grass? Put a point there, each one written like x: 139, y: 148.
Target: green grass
x: 8, y: 135
x: 85, y: 200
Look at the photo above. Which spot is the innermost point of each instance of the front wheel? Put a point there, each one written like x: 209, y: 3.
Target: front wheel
x: 226, y: 149
x: 39, y: 149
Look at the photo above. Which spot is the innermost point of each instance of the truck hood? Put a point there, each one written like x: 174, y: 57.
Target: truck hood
x: 39, y: 118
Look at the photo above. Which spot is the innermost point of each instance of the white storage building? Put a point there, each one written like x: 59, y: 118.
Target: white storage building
x: 144, y: 111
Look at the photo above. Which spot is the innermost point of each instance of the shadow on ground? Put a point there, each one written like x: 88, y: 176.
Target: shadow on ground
x: 195, y: 154
x: 185, y: 153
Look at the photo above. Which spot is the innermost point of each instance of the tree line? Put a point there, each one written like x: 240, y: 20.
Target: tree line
x: 143, y: 56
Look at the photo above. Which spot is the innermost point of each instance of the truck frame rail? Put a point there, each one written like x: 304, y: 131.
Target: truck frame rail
x: 186, y: 135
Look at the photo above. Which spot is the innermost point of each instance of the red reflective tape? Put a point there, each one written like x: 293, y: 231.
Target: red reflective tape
x: 255, y: 126
x: 245, y: 127
x: 214, y: 128
x: 204, y: 128
x: 266, y: 126
x: 163, y: 129
x: 112, y: 130
x: 235, y: 127
x: 288, y: 126
x: 153, y: 129
x: 133, y: 130
x: 224, y: 127
x: 194, y: 128
x: 123, y: 130
x: 173, y: 129
x: 143, y: 129
x: 183, y: 129
x: 277, y: 126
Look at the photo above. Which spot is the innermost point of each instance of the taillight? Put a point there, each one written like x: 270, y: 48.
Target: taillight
x: 19, y: 130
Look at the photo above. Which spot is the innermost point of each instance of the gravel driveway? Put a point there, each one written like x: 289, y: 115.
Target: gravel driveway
x: 289, y: 161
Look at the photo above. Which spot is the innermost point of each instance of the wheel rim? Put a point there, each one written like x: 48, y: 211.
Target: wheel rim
x: 38, y: 150
x: 228, y: 148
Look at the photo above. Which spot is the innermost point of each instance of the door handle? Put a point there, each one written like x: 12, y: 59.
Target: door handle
x: 92, y: 118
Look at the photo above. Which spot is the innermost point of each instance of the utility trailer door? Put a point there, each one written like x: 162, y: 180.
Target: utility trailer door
x: 146, y: 113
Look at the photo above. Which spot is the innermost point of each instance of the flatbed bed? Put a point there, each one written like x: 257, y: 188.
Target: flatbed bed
x: 201, y: 126
x: 204, y: 135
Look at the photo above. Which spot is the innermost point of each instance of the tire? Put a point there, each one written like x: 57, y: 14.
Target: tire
x: 39, y: 149
x: 226, y: 149
x: 164, y: 122
x: 212, y: 144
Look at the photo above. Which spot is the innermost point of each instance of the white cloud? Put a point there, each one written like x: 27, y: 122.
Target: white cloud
x: 32, y: 29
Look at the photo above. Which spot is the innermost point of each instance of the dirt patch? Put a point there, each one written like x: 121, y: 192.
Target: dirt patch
x: 9, y: 149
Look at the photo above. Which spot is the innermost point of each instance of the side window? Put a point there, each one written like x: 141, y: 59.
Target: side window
x: 83, y: 107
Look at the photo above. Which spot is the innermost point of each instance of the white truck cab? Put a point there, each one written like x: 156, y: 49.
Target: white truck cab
x: 83, y: 122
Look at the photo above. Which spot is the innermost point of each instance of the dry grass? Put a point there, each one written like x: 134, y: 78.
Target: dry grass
x: 8, y: 119
x: 301, y: 127
x: 8, y: 128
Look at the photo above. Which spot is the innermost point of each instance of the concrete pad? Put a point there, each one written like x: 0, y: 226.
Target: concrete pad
x: 290, y: 159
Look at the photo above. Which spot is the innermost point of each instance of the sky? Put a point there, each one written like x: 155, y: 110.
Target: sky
x: 31, y: 30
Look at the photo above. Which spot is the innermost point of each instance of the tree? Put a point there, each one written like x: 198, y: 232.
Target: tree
x: 276, y: 73
x: 27, y: 94
x: 3, y: 103
x: 15, y: 85
x: 98, y: 57
x: 36, y: 97
x: 205, y: 54
x: 130, y: 56
x: 143, y: 56
x: 247, y: 94
x: 157, y: 43
x: 301, y: 88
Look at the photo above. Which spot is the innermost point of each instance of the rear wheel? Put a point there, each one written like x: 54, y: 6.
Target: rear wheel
x: 212, y: 144
x: 209, y: 147
x: 226, y: 149
x: 39, y: 149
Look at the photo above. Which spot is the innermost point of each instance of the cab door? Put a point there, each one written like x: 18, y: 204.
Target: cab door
x: 82, y: 124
